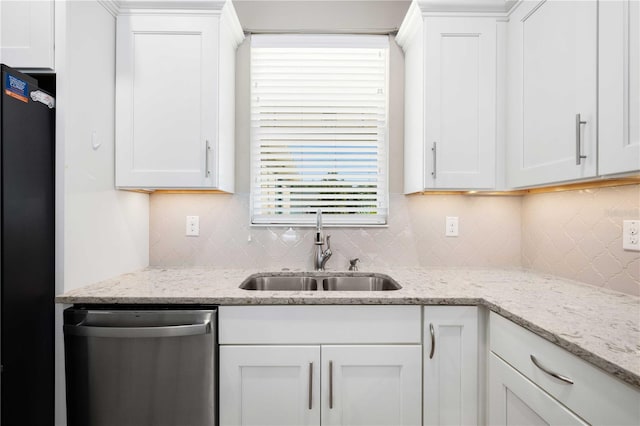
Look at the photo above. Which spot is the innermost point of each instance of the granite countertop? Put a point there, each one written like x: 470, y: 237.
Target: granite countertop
x: 598, y: 325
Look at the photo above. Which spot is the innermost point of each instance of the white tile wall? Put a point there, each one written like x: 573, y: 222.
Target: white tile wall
x: 489, y: 234
x: 578, y: 235
x: 574, y: 234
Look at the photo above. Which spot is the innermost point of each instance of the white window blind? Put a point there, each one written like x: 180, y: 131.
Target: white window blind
x: 319, y: 129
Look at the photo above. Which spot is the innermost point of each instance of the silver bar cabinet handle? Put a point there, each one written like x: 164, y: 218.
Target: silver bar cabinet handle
x: 135, y: 332
x: 579, y: 155
x: 435, y: 160
x: 330, y: 384
x: 310, y: 385
x: 433, y: 341
x: 549, y: 372
x: 207, y: 172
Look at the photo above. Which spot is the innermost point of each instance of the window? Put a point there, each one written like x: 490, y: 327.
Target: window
x: 319, y: 129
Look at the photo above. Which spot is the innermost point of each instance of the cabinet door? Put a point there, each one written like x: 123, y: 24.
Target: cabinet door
x: 552, y: 47
x: 460, y: 97
x: 451, y: 365
x: 371, y: 385
x: 166, y: 116
x: 26, y: 34
x: 515, y: 401
x: 619, y: 87
x: 269, y: 385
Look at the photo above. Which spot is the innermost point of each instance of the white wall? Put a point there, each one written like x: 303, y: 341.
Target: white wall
x: 106, y: 232
x: 100, y: 232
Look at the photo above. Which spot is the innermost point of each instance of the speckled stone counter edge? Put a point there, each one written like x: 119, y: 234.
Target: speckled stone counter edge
x: 352, y: 298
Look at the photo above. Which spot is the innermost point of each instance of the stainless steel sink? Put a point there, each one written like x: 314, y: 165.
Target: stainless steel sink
x: 322, y: 282
x: 280, y: 283
x: 360, y: 283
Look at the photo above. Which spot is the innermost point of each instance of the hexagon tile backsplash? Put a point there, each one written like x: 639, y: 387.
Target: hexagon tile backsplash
x: 578, y: 235
x: 573, y: 234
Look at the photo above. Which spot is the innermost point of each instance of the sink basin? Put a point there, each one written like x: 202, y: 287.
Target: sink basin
x: 319, y: 281
x: 360, y: 283
x: 280, y: 283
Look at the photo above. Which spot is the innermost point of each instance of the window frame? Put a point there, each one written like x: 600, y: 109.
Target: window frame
x: 311, y: 41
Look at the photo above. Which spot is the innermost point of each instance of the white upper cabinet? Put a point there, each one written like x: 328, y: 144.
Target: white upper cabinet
x: 619, y: 87
x: 450, y: 101
x: 26, y: 34
x: 175, y: 98
x: 551, y: 114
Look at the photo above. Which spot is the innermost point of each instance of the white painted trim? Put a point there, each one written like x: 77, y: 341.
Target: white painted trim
x: 230, y: 17
x: 169, y: 12
x: 421, y: 9
x: 222, y: 8
x: 124, y: 5
x: 491, y: 6
x: 112, y: 6
x: 60, y: 40
x: 410, y: 24
x: 468, y: 14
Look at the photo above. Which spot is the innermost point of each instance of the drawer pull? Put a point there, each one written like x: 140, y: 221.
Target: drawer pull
x: 310, y: 386
x: 433, y: 341
x: 331, y: 384
x: 549, y: 372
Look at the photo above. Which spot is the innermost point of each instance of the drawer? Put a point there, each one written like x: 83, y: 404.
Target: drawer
x: 319, y: 324
x: 595, y: 396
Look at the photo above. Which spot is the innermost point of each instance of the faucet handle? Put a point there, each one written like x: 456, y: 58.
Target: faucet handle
x: 353, y: 264
x: 328, y: 242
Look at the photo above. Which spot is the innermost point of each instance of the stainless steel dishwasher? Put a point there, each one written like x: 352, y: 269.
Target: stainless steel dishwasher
x: 155, y: 367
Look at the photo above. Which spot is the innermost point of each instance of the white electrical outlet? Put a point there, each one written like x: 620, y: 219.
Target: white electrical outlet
x: 193, y: 226
x: 451, y: 226
x: 631, y: 235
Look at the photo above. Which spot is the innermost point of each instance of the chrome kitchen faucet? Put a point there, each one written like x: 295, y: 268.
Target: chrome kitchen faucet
x: 321, y: 256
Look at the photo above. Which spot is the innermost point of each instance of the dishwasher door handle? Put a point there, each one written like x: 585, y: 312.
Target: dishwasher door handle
x: 134, y: 332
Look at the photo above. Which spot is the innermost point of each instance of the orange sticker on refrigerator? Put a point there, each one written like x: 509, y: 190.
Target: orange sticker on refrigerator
x: 16, y: 88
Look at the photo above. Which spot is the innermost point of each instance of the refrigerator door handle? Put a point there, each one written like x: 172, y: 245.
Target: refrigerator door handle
x: 135, y: 332
x: 40, y: 96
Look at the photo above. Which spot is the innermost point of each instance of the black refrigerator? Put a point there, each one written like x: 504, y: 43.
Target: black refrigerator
x: 27, y: 187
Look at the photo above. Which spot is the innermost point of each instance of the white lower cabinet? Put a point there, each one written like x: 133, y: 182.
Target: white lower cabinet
x: 270, y: 385
x: 281, y: 365
x: 533, y: 381
x: 516, y: 401
x: 404, y: 365
x: 292, y: 385
x: 371, y: 385
x: 450, y: 365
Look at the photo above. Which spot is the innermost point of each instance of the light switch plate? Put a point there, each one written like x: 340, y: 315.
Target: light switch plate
x: 193, y: 226
x: 631, y: 235
x: 451, y: 226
